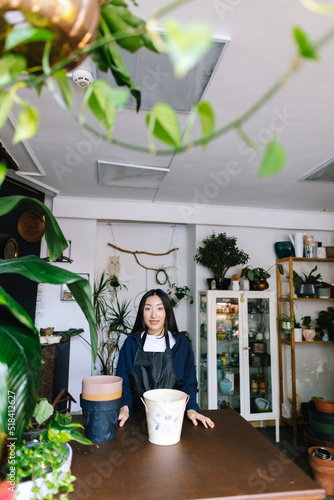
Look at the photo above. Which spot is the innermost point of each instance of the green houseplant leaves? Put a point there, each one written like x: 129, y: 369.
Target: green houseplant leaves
x: 20, y: 353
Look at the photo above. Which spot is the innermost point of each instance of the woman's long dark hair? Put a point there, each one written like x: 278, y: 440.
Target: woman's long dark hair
x: 170, y: 322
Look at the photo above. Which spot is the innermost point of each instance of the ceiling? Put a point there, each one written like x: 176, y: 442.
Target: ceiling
x: 62, y: 157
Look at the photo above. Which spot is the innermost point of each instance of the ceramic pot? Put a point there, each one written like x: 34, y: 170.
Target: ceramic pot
x: 324, y: 405
x: 75, y: 25
x: 225, y: 385
x: 324, y: 293
x: 322, y: 470
x: 263, y: 285
x: 305, y: 290
x: 102, y: 388
x: 298, y: 334
x: 223, y: 283
x: 309, y: 334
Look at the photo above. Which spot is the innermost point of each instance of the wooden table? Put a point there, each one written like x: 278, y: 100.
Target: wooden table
x: 233, y: 460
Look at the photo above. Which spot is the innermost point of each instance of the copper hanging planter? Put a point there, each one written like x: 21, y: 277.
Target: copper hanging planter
x: 74, y: 23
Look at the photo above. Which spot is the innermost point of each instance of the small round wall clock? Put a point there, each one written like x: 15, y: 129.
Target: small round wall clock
x: 11, y: 250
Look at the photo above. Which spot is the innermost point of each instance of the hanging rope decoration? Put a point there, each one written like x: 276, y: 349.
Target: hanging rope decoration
x: 158, y: 272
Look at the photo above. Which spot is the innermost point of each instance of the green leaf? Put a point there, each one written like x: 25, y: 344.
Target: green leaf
x: 38, y: 270
x: 6, y: 103
x: 186, y: 45
x: 3, y: 170
x: 273, y: 160
x: 20, y: 354
x: 61, y: 429
x: 103, y: 101
x: 164, y: 125
x: 16, y: 310
x: 108, y: 57
x: 27, y: 123
x: 27, y: 34
x: 207, y: 119
x: 54, y: 237
x: 11, y: 65
x: 306, y: 47
x: 64, y: 86
x: 43, y: 410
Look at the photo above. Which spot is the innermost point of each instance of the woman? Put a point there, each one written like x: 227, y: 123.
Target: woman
x: 155, y: 356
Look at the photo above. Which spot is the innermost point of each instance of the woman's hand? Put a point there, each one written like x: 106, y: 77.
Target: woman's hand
x: 123, y: 415
x: 193, y: 415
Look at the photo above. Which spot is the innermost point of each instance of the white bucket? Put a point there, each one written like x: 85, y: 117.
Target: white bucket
x: 164, y: 415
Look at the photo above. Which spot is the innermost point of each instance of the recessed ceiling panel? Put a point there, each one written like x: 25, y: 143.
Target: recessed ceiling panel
x: 324, y: 173
x: 153, y: 75
x: 129, y: 175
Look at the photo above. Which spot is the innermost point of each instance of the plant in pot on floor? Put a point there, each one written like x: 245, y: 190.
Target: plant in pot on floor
x: 113, y: 320
x: 308, y: 329
x: 218, y: 253
x: 306, y: 284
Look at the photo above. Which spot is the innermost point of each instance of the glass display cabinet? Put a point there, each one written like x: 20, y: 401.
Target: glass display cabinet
x: 238, y: 354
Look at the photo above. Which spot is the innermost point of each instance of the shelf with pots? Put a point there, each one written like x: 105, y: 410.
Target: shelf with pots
x: 302, y: 272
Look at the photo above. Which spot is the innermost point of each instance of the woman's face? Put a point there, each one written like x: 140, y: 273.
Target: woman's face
x: 154, y: 315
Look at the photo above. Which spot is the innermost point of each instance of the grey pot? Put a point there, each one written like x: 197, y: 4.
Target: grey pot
x: 305, y: 290
x: 324, y: 293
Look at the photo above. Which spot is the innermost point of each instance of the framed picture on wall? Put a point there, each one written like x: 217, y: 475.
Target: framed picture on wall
x: 65, y: 292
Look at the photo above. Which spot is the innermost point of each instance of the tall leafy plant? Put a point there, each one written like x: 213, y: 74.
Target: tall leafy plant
x: 20, y: 353
x: 113, y: 319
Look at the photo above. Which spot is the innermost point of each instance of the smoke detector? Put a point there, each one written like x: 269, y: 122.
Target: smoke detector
x: 82, y: 77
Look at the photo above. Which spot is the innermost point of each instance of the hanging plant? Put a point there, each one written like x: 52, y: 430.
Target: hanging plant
x: 177, y: 293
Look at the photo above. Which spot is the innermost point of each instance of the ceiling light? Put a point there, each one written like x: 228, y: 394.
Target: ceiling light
x: 323, y: 173
x: 153, y: 74
x: 129, y: 175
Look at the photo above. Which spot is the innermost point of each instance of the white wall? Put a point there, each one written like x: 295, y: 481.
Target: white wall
x: 62, y: 315
x: 144, y: 237
x: 157, y: 228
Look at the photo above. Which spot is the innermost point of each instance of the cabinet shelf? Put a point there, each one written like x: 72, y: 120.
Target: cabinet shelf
x: 231, y: 335
x: 311, y: 342
x: 288, y: 301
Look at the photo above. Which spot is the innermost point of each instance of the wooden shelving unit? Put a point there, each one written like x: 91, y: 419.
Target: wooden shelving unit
x: 291, y: 299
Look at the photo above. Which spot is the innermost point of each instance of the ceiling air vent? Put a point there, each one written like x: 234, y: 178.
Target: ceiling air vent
x: 153, y: 74
x: 128, y: 175
x: 323, y: 173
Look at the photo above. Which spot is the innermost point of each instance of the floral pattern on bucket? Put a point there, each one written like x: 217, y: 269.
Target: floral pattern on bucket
x: 166, y: 424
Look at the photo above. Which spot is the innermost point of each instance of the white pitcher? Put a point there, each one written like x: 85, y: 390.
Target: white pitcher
x: 298, y: 244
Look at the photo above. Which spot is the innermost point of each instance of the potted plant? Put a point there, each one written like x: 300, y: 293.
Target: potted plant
x: 325, y: 325
x: 257, y: 276
x: 306, y: 284
x: 307, y: 328
x: 298, y: 333
x: 42, y: 466
x: 112, y: 320
x: 287, y: 323
x: 218, y: 253
x: 177, y: 293
x: 324, y: 290
x: 20, y: 354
